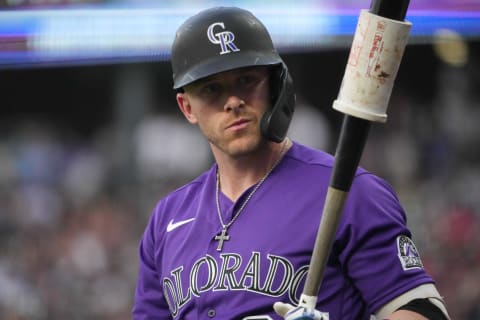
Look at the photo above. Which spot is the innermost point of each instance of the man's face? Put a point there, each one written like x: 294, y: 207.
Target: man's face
x: 228, y: 108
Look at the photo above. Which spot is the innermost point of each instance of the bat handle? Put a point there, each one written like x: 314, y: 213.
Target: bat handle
x: 353, y: 136
x: 352, y: 140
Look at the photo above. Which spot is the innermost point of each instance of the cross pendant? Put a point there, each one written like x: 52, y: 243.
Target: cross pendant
x: 222, y: 237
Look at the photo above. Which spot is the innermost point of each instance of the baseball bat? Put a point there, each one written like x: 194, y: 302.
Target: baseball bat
x: 355, y: 127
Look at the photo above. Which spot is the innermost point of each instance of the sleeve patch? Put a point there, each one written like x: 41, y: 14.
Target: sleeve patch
x: 408, y: 253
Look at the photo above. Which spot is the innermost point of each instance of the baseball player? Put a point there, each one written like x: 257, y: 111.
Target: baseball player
x: 235, y: 243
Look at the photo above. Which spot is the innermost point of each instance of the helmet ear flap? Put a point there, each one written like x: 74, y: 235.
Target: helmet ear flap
x: 275, y: 122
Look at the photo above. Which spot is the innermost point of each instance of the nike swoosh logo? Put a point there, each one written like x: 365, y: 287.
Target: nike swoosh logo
x: 174, y: 225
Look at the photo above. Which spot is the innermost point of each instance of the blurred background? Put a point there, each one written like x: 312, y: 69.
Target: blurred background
x: 91, y: 138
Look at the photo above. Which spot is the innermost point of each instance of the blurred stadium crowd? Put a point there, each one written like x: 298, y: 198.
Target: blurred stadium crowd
x: 71, y: 214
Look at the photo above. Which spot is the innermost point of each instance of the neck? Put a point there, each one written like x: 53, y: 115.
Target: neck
x: 238, y: 174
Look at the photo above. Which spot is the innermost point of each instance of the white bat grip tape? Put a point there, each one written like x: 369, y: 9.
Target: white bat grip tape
x: 308, y: 302
x: 375, y: 56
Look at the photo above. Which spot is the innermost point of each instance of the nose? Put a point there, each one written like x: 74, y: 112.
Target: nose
x: 234, y: 103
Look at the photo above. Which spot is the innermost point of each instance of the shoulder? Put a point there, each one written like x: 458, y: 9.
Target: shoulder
x: 304, y: 155
x: 190, y: 188
x: 307, y: 156
x: 313, y: 160
x: 183, y: 198
x: 373, y: 204
x: 370, y: 196
x: 367, y: 187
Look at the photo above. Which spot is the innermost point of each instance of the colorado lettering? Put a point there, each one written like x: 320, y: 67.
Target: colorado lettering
x: 231, y: 272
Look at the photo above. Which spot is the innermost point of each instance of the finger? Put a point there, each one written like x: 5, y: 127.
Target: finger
x: 282, y: 308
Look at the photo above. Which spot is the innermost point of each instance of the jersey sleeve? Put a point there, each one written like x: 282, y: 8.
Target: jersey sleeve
x: 149, y: 301
x: 375, y: 247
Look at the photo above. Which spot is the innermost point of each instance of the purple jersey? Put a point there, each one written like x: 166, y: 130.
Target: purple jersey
x: 183, y: 276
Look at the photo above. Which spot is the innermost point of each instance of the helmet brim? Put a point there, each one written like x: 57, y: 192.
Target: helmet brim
x: 224, y: 63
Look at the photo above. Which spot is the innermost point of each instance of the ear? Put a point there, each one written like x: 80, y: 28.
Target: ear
x: 186, y: 108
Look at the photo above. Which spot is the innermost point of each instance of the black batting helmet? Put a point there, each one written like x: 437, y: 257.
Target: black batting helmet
x: 227, y: 38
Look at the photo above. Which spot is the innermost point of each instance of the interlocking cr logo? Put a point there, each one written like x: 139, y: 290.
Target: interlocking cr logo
x: 223, y: 38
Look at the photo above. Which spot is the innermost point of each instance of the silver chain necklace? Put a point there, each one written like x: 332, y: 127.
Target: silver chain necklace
x: 223, y: 236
